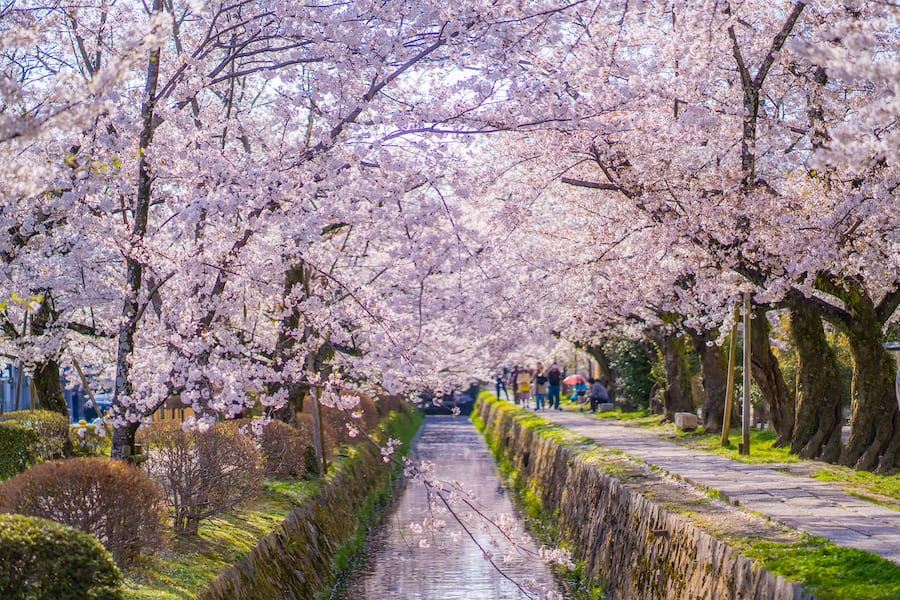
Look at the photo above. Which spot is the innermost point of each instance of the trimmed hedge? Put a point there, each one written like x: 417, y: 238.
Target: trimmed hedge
x: 44, y: 560
x: 20, y: 447
x: 111, y: 499
x: 90, y: 440
x: 52, y: 427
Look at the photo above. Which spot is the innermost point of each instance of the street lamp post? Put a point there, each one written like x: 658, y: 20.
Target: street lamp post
x: 894, y: 348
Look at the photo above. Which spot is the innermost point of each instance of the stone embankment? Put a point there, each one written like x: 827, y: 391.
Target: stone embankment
x: 296, y: 560
x: 637, y: 548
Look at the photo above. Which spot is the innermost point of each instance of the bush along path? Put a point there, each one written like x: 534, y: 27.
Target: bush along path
x: 823, y: 569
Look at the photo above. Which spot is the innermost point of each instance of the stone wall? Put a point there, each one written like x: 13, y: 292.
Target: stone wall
x: 637, y: 548
x: 294, y: 562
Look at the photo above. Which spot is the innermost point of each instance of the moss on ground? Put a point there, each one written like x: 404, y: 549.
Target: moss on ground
x: 191, y: 563
x: 828, y: 571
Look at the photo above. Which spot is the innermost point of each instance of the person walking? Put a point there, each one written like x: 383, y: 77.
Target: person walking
x: 554, y: 379
x: 511, y: 382
x: 598, y: 394
x: 500, y: 381
x: 540, y: 387
x: 523, y: 386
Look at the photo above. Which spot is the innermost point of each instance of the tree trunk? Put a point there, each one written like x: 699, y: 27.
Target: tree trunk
x: 46, y: 381
x: 714, y: 368
x: 817, y: 427
x: 607, y: 374
x: 874, y: 420
x: 677, y: 396
x: 125, y: 422
x: 767, y: 373
x: 123, y: 440
x: 284, y: 347
x: 49, y: 388
x: 46, y: 374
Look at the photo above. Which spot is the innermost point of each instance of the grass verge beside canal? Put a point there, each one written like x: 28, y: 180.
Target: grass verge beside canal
x: 823, y: 568
x: 192, y: 563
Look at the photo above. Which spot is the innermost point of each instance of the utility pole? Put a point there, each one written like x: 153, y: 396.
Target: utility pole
x: 745, y: 425
x: 318, y: 437
x: 729, y: 389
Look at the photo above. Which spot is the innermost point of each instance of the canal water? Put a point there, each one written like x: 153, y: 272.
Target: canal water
x: 409, y: 563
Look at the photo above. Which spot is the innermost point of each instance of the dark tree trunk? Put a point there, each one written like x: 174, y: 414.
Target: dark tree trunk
x: 767, y: 373
x: 677, y: 396
x: 817, y: 427
x: 49, y: 388
x: 46, y: 380
x: 46, y: 375
x: 714, y: 369
x: 284, y: 347
x: 123, y: 434
x: 607, y: 373
x: 123, y: 439
x: 875, y: 423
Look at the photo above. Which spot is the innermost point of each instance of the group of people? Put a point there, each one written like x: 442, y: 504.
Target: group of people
x: 545, y: 386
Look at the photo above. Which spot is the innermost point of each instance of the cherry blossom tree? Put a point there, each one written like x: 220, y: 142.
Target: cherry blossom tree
x: 715, y: 136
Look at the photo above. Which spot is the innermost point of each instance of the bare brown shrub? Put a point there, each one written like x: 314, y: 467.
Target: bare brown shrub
x: 110, y: 499
x: 203, y: 474
x: 390, y: 403
x: 335, y: 420
x: 283, y: 445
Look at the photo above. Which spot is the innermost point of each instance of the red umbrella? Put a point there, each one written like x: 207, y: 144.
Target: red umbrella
x: 573, y: 379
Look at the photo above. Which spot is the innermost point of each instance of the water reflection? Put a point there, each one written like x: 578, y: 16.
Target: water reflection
x: 445, y: 570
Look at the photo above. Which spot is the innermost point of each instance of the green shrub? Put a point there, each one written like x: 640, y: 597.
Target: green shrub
x: 111, y: 499
x: 20, y: 447
x: 52, y: 427
x: 43, y: 560
x: 633, y: 369
x: 89, y: 440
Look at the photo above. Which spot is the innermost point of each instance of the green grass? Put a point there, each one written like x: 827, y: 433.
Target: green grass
x: 862, y: 482
x: 641, y: 418
x: 762, y: 449
x: 191, y: 563
x: 828, y: 571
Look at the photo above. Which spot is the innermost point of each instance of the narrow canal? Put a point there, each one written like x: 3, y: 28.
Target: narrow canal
x: 398, y: 567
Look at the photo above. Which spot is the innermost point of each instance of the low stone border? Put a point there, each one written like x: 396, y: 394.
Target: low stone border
x: 638, y: 548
